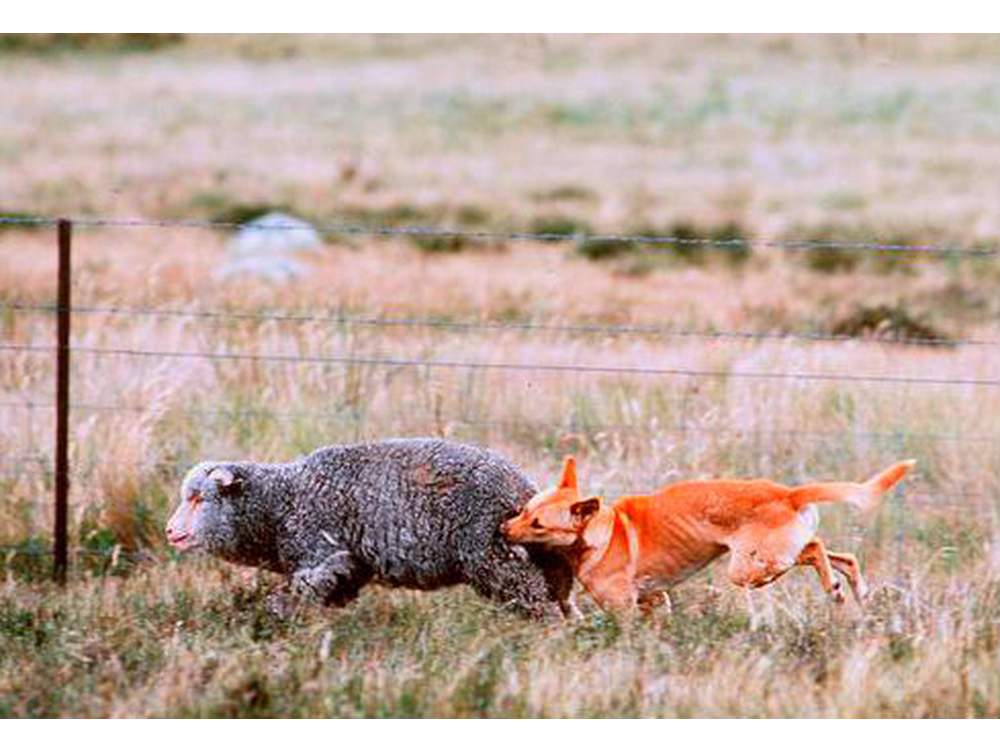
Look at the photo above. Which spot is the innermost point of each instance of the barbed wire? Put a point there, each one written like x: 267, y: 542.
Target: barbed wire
x: 569, y: 426
x: 45, y: 551
x: 442, y: 323
x: 735, y: 243
x: 38, y: 463
x: 502, y: 366
x: 917, y: 490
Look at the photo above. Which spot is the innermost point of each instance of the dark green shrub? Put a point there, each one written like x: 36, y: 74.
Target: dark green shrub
x: 596, y: 249
x: 47, y: 44
x: 889, y: 322
x: 242, y: 213
x: 469, y: 214
x: 731, y: 243
x: 835, y: 250
x: 28, y: 559
x: 565, y: 193
x: 697, y: 245
x: 439, y: 243
x: 831, y: 259
x: 559, y: 225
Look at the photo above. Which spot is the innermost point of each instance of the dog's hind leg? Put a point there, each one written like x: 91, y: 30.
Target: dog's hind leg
x: 847, y: 565
x: 751, y: 566
x: 814, y: 555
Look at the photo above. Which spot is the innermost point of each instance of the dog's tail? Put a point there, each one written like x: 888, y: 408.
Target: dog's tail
x: 864, y: 496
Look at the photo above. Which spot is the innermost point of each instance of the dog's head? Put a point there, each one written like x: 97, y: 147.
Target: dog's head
x: 556, y: 517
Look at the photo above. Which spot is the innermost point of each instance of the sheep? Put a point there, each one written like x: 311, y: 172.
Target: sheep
x: 415, y: 513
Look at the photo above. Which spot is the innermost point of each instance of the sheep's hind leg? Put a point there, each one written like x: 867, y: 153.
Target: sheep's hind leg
x: 514, y: 579
x: 559, y: 578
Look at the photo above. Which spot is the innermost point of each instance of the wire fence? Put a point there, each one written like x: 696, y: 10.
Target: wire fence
x: 38, y: 463
x: 738, y: 244
x: 494, y: 326
x: 571, y: 425
x: 502, y: 366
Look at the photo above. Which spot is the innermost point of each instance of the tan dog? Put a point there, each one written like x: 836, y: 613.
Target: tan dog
x: 627, y: 553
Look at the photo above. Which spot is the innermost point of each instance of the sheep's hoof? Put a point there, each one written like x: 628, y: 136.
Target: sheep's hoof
x: 280, y: 605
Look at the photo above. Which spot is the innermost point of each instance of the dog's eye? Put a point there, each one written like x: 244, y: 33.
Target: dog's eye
x: 536, y: 524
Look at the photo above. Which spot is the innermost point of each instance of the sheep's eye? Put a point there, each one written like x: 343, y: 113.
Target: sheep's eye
x: 536, y: 524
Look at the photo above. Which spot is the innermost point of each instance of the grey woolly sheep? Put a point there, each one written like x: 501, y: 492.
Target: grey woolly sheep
x: 416, y: 513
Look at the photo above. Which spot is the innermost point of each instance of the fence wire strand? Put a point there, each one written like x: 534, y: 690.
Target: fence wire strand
x: 920, y: 494
x: 502, y: 366
x: 570, y: 426
x: 527, y: 326
x: 650, y: 241
x: 39, y: 464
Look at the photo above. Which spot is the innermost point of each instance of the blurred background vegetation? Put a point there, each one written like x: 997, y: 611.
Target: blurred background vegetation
x: 837, y: 140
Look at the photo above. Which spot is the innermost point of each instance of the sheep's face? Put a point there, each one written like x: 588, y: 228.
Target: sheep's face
x: 209, y: 508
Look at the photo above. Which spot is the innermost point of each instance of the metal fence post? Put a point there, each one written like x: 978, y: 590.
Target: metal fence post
x: 60, y: 538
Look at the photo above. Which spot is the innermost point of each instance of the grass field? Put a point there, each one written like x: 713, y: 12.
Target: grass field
x: 888, y: 139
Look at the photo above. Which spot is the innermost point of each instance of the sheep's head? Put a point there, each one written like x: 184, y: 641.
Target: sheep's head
x: 208, y: 514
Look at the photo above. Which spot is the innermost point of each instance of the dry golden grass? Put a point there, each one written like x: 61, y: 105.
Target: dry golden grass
x: 879, y: 138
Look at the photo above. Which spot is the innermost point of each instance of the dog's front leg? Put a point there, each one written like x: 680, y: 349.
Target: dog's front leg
x: 617, y: 594
x: 655, y: 601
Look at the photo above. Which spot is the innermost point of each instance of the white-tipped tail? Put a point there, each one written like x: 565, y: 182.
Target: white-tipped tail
x: 864, y: 496
x: 876, y: 487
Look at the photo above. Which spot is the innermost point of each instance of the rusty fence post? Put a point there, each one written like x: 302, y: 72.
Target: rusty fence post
x: 60, y: 538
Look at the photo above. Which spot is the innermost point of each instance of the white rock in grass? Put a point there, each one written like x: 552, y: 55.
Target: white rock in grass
x: 274, y: 234
x: 267, y: 268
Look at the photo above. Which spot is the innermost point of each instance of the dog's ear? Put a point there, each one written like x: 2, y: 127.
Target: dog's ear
x: 568, y: 473
x: 584, y: 510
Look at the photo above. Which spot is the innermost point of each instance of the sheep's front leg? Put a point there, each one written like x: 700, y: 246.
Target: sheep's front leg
x: 335, y: 581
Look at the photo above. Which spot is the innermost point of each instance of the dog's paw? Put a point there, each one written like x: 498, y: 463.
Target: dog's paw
x: 837, y: 593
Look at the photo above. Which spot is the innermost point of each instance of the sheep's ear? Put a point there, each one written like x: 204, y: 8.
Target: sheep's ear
x: 568, y: 473
x: 584, y: 510
x: 228, y: 483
